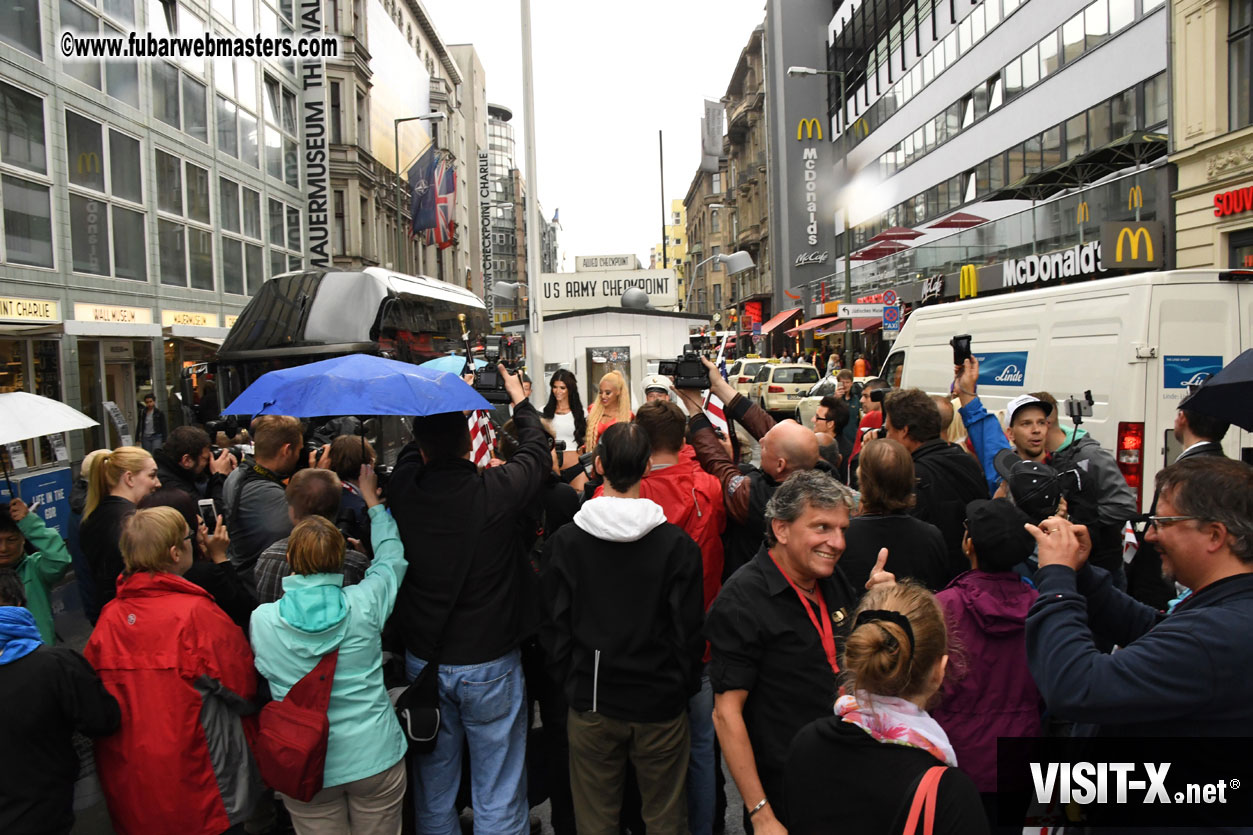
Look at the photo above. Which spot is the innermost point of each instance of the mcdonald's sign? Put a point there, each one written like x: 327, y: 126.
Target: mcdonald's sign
x: 89, y: 163
x: 1135, y: 197
x: 1082, y: 213
x: 968, y: 285
x: 809, y: 127
x: 1132, y: 245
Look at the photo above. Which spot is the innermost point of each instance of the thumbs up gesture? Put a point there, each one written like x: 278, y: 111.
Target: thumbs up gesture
x: 879, y: 576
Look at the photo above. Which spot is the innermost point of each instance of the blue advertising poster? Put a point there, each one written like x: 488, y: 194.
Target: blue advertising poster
x: 1181, y: 372
x: 1002, y: 368
x: 51, y: 488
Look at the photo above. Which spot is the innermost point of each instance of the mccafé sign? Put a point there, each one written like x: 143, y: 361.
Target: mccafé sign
x: 1233, y: 202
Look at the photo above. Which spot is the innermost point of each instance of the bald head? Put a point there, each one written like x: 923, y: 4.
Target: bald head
x: 787, y: 448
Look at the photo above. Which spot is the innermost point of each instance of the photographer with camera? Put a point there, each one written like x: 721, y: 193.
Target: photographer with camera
x: 1028, y: 415
x: 254, y: 499
x: 786, y: 447
x: 184, y: 459
x: 466, y: 603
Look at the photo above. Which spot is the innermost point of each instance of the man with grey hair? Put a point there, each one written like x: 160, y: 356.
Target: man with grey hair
x: 1188, y: 673
x: 775, y: 631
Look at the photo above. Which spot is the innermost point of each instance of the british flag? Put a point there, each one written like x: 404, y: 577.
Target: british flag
x: 444, y: 183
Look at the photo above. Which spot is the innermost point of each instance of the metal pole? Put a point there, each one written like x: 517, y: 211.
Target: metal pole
x: 848, y: 241
x: 535, y: 344
x: 661, y: 164
x: 399, y: 198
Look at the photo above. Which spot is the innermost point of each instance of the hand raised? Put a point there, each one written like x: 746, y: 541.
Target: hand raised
x: 880, y: 576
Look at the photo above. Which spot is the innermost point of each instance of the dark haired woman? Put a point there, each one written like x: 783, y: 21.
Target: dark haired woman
x: 565, y: 410
x: 894, y: 662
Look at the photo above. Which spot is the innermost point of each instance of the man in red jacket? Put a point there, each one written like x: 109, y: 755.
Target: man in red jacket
x: 691, y: 499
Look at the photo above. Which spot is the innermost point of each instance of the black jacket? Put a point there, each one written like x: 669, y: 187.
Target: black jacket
x: 440, y: 509
x: 623, y: 614
x: 100, y: 535
x: 47, y: 696
x: 173, y: 475
x: 158, y: 420
x: 948, y: 479
x: 915, y: 549
x: 872, y: 798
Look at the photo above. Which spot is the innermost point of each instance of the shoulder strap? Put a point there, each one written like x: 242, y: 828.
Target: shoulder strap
x: 313, y: 691
x: 475, y: 530
x: 925, y: 798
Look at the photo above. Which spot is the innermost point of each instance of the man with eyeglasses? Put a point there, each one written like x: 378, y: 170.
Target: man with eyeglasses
x: 831, y: 419
x: 1188, y: 673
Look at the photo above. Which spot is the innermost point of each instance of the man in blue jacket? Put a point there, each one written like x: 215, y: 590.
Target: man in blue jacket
x: 1189, y: 673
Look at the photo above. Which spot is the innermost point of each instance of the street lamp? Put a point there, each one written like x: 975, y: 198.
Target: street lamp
x: 798, y: 72
x: 430, y: 117
x: 736, y: 263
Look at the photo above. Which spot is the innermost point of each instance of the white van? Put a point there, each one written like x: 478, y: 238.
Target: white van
x: 1135, y: 342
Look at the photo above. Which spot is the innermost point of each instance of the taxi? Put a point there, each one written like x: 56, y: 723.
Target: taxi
x: 740, y: 373
x: 778, y: 387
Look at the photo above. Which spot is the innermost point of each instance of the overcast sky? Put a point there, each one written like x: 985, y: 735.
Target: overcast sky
x: 607, y: 78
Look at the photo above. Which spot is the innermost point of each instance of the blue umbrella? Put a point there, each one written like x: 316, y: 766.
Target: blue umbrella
x: 451, y: 363
x: 360, y: 384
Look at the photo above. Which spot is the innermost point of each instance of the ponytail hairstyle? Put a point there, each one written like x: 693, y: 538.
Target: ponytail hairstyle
x: 571, y: 382
x: 107, y: 471
x: 881, y: 657
x: 623, y: 413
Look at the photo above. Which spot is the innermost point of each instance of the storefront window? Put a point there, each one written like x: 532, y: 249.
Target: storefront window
x: 1241, y: 251
x: 89, y: 391
x: 1240, y: 63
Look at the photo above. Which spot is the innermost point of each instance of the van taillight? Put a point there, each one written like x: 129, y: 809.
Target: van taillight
x: 1131, y: 455
x: 746, y: 379
x: 775, y: 389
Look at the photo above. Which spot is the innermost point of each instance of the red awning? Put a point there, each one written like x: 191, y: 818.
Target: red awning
x: 811, y: 324
x: 778, y: 319
x: 858, y: 325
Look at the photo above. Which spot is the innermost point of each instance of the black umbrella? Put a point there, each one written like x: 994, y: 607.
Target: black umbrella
x: 1228, y: 395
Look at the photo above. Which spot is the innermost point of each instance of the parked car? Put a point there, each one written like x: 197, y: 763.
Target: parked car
x: 740, y: 374
x: 776, y: 388
x: 808, y: 405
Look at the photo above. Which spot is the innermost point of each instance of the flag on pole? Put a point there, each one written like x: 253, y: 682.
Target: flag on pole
x: 482, y: 439
x: 422, y: 192
x: 713, y: 406
x: 445, y: 187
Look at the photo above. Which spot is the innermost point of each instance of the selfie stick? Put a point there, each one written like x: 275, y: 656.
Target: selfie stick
x: 721, y: 350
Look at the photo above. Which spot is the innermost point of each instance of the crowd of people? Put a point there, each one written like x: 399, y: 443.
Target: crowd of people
x: 615, y: 607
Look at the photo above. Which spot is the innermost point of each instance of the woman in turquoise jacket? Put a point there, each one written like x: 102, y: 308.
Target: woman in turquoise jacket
x: 364, y: 780
x: 39, y: 571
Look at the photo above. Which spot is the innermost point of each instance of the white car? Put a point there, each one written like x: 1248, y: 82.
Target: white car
x: 740, y: 374
x: 776, y: 388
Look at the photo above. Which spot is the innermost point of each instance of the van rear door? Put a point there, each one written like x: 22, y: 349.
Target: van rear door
x: 1197, y: 326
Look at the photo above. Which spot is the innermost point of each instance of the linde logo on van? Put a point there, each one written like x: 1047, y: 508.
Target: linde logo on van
x: 1011, y: 374
x: 1079, y: 260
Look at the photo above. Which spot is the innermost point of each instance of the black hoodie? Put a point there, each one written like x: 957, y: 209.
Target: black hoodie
x: 948, y: 478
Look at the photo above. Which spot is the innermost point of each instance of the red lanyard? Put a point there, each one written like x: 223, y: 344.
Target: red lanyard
x: 822, y: 624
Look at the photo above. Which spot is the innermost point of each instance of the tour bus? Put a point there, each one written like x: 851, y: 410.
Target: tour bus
x: 314, y: 315
x: 1136, y: 342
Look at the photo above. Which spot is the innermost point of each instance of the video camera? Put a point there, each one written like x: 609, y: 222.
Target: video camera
x: 689, y: 372
x: 228, y: 426
x: 498, y: 349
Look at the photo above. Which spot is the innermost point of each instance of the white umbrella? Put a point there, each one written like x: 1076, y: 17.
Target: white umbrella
x: 24, y: 415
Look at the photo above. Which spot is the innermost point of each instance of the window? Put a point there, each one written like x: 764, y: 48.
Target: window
x: 363, y: 120
x: 1096, y: 24
x: 235, y: 104
x: 1123, y: 116
x: 996, y: 93
x: 19, y: 28
x: 284, y: 223
x: 1072, y: 38
x: 1052, y: 140
x: 1155, y: 91
x: 339, y: 243
x: 239, y: 215
x: 716, y: 186
x: 184, y: 234
x: 1239, y: 64
x: 1121, y: 15
x: 1013, y: 78
x: 180, y: 101
x: 78, y: 20
x: 1076, y: 136
x: 337, y: 116
x: 1099, y: 125
x: 281, y: 157
x: 97, y: 174
x: 22, y: 130
x: 713, y: 221
x: 1049, y: 59
x: 27, y: 222
x: 1030, y: 67
x: 715, y: 265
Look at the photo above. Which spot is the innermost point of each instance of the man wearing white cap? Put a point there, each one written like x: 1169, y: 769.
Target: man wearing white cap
x: 656, y: 387
x: 1026, y: 433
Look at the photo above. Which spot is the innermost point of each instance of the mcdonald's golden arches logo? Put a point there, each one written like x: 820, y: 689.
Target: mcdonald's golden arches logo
x: 89, y: 163
x: 968, y: 285
x: 1132, y: 245
x: 1135, y: 198
x: 1082, y: 214
x: 809, y: 127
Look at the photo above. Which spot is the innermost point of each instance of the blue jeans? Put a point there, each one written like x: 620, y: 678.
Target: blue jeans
x: 701, y: 765
x: 483, y: 705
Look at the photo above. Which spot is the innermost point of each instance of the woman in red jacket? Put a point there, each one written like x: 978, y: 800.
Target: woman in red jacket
x: 182, y: 673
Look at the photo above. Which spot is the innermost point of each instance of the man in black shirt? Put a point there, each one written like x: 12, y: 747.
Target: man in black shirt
x: 184, y: 459
x: 775, y: 631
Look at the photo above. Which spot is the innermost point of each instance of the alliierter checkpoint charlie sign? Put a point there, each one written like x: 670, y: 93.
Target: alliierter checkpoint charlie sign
x: 587, y: 290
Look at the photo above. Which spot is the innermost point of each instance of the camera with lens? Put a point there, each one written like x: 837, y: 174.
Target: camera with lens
x: 559, y: 447
x: 689, y: 371
x: 498, y: 349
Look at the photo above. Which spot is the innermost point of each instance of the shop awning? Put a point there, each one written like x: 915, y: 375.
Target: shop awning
x: 868, y: 323
x: 1134, y: 149
x: 134, y: 330
x: 778, y: 319
x: 811, y: 324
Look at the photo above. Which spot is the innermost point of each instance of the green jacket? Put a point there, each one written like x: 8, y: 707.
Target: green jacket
x: 41, y: 571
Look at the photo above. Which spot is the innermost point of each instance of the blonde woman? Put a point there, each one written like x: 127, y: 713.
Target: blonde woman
x: 179, y: 669
x: 612, y: 405
x: 118, y: 480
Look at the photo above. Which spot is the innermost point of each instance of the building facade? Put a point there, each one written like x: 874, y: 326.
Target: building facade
x: 704, y: 287
x: 674, y: 253
x: 471, y: 197
x: 1026, y: 123
x: 142, y: 202
x: 1212, y: 133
